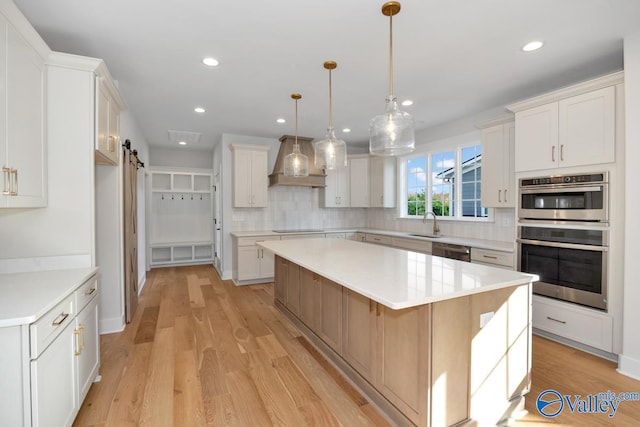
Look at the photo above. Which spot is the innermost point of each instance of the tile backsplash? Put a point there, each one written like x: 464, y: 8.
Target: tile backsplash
x: 298, y: 208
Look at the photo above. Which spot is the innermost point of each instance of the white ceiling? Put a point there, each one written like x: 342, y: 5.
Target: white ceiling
x: 453, y: 58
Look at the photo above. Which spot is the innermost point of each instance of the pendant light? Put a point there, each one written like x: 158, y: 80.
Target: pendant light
x: 391, y: 133
x: 296, y: 164
x: 330, y: 152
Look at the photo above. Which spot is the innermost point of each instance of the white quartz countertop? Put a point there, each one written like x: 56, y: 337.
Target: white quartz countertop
x: 25, y: 297
x: 475, y: 243
x: 394, y: 277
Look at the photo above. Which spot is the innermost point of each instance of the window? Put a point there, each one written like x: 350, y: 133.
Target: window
x: 430, y: 184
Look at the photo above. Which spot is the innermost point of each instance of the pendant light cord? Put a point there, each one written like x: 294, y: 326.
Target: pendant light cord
x: 390, y: 56
x: 296, y: 141
x: 330, y: 103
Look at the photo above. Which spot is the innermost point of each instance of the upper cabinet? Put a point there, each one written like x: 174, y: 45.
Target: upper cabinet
x: 337, y: 190
x: 107, y: 123
x: 250, y: 176
x: 382, y: 182
x: 498, y: 176
x: 359, y: 181
x: 23, y: 156
x: 575, y: 126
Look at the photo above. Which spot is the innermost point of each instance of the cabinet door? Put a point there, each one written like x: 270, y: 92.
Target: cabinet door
x: 25, y: 116
x: 331, y: 192
x: 492, y: 165
x: 88, y: 361
x: 292, y: 297
x: 587, y: 128
x: 403, y: 346
x: 281, y: 279
x: 267, y: 263
x: 359, y: 322
x: 537, y: 138
x: 359, y: 182
x: 382, y: 182
x: 343, y: 189
x: 248, y: 262
x: 331, y: 314
x: 54, y: 400
x: 242, y: 196
x: 113, y: 140
x: 259, y: 179
x: 309, y: 299
x: 106, y: 150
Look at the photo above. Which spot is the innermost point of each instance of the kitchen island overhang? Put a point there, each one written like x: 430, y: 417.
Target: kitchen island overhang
x: 430, y: 341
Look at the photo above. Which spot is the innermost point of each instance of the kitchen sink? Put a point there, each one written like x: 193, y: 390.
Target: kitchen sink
x: 429, y: 236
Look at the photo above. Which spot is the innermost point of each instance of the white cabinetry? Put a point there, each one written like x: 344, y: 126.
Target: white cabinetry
x: 336, y: 194
x: 22, y: 122
x: 493, y: 258
x: 181, y: 217
x: 250, y: 176
x: 52, y: 361
x: 359, y: 181
x: 252, y: 263
x: 498, y: 177
x: 107, y: 124
x: 382, y: 182
x: 577, y: 128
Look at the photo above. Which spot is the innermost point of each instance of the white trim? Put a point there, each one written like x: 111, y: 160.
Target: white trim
x: 569, y: 91
x: 24, y: 28
x: 112, y: 325
x: 629, y: 366
x: 25, y: 265
x: 141, y: 282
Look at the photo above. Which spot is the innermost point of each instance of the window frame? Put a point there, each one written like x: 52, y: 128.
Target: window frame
x: 402, y: 189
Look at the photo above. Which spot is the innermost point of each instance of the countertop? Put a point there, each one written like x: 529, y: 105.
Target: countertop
x: 474, y: 243
x: 394, y: 277
x: 25, y: 297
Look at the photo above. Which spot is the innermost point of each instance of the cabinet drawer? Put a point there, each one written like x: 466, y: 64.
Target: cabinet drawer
x: 378, y: 239
x: 412, y: 245
x: 86, y: 292
x: 49, y: 326
x: 251, y: 241
x: 487, y: 256
x: 573, y: 322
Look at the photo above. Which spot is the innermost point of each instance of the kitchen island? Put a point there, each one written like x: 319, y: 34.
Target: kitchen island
x: 430, y: 341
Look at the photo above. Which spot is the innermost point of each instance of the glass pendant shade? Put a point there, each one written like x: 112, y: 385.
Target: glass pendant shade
x: 392, y: 133
x: 296, y: 164
x: 331, y: 152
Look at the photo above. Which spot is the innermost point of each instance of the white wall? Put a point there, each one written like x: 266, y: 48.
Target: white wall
x: 629, y: 360
x: 65, y: 227
x: 169, y: 157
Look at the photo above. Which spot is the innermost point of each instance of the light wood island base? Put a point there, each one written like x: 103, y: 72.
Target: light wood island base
x: 430, y: 365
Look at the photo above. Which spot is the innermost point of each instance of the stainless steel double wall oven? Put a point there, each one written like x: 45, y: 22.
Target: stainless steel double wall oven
x: 563, y: 236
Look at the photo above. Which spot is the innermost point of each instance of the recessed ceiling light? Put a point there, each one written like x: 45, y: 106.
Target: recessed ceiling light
x: 531, y: 46
x: 281, y: 120
x: 346, y: 130
x: 182, y: 143
x: 211, y: 62
x: 199, y: 110
x: 407, y: 102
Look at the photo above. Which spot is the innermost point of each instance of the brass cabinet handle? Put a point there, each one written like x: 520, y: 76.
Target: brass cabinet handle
x: 553, y: 153
x: 6, y: 189
x: 14, y: 172
x: 499, y: 194
x: 489, y: 256
x: 60, y: 319
x: 371, y: 306
x: 556, y: 320
x: 90, y: 291
x: 505, y: 195
x: 78, y: 350
x: 82, y: 329
x: 562, y: 152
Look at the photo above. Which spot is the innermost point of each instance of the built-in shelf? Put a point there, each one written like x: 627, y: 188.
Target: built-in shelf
x: 180, y: 182
x: 181, y: 253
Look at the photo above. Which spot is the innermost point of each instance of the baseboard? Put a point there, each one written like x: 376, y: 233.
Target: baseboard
x: 141, y: 282
x: 111, y: 326
x: 251, y: 282
x: 226, y: 275
x: 629, y: 366
x: 571, y: 343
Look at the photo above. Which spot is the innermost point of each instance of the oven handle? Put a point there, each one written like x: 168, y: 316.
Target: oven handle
x: 563, y: 245
x: 567, y: 189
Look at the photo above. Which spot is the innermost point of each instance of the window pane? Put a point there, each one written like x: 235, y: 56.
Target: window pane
x: 443, y: 190
x: 471, y: 182
x: 416, y: 184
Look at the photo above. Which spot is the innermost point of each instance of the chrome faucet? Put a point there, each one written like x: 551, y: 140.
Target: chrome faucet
x: 436, y: 229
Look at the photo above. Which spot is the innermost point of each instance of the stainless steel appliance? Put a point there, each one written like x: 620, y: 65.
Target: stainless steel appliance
x: 565, y: 198
x: 448, y: 250
x: 571, y: 262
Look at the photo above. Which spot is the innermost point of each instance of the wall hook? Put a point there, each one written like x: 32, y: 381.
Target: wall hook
x: 182, y: 196
x: 162, y: 196
x: 172, y: 197
x: 192, y: 197
x: 201, y: 197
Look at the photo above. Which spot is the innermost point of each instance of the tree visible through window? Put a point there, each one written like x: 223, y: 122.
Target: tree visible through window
x: 431, y: 183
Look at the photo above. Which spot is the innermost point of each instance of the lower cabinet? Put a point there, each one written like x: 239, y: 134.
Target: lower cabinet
x: 330, y: 327
x: 359, y: 333
x: 251, y: 263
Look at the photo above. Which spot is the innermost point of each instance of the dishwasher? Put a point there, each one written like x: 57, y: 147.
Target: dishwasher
x: 448, y: 250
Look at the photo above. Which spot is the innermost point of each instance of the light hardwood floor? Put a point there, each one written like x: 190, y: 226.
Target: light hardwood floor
x: 201, y: 351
